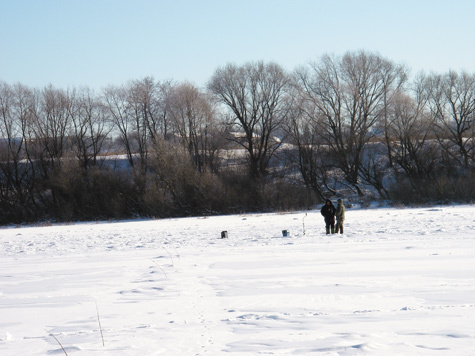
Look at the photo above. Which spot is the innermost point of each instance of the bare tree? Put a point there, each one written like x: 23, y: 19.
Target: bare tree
x: 51, y: 126
x: 124, y: 106
x: 375, y: 167
x: 139, y: 112
x: 156, y: 105
x: 17, y: 168
x: 452, y: 104
x: 194, y: 119
x: 90, y: 126
x: 253, y: 94
x: 310, y: 154
x: 116, y: 101
x: 350, y: 95
x: 13, y: 174
x: 413, y: 151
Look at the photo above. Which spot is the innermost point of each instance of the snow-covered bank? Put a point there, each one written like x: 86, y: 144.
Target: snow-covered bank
x: 398, y: 282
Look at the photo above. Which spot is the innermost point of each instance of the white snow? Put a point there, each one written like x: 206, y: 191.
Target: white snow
x: 398, y: 282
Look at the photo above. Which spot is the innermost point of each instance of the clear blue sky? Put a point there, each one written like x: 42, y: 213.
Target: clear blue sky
x: 100, y: 42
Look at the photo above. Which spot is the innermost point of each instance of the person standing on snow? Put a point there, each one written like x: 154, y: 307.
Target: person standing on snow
x: 328, y: 212
x: 340, y: 216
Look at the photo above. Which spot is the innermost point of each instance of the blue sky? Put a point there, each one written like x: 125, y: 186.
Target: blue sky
x: 100, y: 42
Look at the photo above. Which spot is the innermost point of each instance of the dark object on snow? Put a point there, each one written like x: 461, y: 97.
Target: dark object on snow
x: 285, y: 233
x: 328, y: 212
x: 224, y: 234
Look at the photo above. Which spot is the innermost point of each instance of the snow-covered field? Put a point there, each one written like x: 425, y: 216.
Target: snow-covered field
x: 398, y: 282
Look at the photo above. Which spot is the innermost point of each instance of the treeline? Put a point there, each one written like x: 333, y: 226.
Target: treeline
x: 256, y: 138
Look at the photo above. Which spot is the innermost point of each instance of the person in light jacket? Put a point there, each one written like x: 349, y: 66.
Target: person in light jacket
x: 340, y: 216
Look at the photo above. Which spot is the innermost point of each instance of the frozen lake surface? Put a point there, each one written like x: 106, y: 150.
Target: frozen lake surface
x: 398, y: 282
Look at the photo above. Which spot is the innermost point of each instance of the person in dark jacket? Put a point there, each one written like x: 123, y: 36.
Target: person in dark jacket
x: 328, y: 212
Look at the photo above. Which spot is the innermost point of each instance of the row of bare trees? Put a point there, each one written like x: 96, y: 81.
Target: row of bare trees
x: 361, y: 118
x: 257, y: 137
